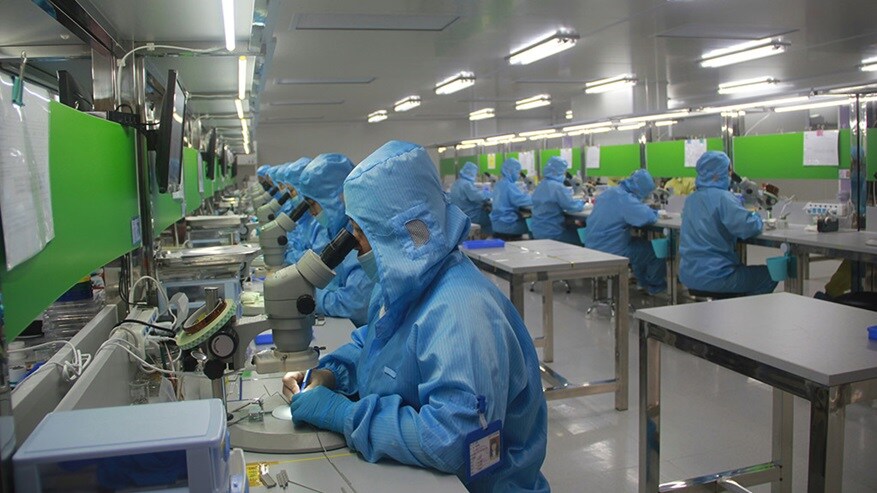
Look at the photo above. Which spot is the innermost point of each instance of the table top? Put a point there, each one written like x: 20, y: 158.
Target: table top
x: 824, y: 342
x: 520, y: 257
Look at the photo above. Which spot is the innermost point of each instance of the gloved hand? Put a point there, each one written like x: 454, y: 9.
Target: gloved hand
x: 322, y: 408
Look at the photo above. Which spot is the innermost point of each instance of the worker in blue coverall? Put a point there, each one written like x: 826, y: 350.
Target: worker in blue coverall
x: 321, y: 183
x: 616, y: 211
x: 550, y: 200
x: 466, y: 196
x: 444, y: 354
x: 299, y: 239
x: 713, y: 219
x: 505, y: 218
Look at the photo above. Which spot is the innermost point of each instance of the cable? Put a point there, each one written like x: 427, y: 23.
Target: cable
x: 147, y: 324
x: 158, y: 285
x: 152, y: 47
x: 70, y: 370
x: 326, y: 455
x: 115, y: 343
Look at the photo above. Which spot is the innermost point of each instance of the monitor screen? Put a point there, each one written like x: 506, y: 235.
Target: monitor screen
x: 223, y: 160
x: 209, y: 156
x: 70, y: 94
x: 169, y: 145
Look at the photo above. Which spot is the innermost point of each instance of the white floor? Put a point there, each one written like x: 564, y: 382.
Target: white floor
x: 712, y: 419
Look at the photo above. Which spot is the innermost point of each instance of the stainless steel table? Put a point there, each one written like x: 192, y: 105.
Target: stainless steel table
x: 813, y: 349
x: 522, y: 262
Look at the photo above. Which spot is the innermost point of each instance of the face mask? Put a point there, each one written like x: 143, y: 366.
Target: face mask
x: 369, y: 264
x: 322, y: 219
x: 297, y: 200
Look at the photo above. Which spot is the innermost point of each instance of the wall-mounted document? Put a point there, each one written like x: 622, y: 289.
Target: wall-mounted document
x: 820, y: 148
x: 694, y: 149
x: 25, y: 191
x: 592, y: 157
x: 491, y: 161
x: 528, y: 162
x: 566, y: 155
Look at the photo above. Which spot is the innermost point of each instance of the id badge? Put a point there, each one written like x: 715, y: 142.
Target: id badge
x: 484, y: 450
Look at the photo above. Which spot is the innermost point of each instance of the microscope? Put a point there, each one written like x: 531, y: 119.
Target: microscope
x: 272, y: 236
x: 573, y: 181
x: 528, y: 182
x: 268, y: 212
x: 755, y: 196
x: 219, y: 346
x: 659, y: 198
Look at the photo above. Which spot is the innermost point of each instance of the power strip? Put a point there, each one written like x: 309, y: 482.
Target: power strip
x: 826, y: 208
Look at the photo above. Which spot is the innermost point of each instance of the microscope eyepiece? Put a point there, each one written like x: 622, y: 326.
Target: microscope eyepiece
x: 299, y: 211
x: 273, y: 191
x: 282, y: 200
x: 338, y: 248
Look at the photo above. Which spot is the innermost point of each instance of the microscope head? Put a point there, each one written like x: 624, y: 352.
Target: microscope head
x: 272, y: 236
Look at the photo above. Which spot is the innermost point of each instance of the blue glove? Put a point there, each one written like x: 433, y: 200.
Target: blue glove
x: 322, y: 408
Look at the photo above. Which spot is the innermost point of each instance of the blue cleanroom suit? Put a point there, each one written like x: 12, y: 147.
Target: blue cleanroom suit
x: 348, y: 294
x: 298, y: 240
x: 439, y: 336
x: 507, y: 199
x: 712, y: 221
x: 550, y: 199
x: 616, y: 211
x: 466, y: 196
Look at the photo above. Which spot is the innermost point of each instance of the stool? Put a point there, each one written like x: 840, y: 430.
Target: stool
x: 597, y: 300
x: 711, y: 296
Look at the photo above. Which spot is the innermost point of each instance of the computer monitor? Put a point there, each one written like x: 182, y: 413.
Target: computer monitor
x: 234, y: 166
x: 70, y: 94
x: 169, y: 139
x: 209, y: 155
x: 223, y: 161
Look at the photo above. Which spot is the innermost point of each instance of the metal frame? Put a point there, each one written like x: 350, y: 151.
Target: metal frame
x: 560, y: 387
x: 827, y: 414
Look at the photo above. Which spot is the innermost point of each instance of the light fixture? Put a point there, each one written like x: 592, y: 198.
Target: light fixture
x: 516, y: 140
x: 242, y: 77
x: 852, y: 89
x: 246, y: 147
x: 742, y: 52
x: 482, y: 114
x: 610, y: 84
x: 547, y: 136
x: 228, y: 23
x: 377, y: 116
x: 441, y: 150
x: 631, y: 127
x: 497, y: 138
x: 245, y: 130
x: 560, y: 40
x: 238, y: 105
x: 587, y: 126
x: 651, y: 118
x: 666, y: 123
x: 533, y: 102
x: 531, y: 133
x: 758, y: 104
x: 733, y: 114
x: 869, y: 65
x: 464, y: 146
x: 474, y: 142
x: 813, y: 105
x: 407, y: 103
x: 747, y: 85
x: 569, y: 114
x: 455, y: 83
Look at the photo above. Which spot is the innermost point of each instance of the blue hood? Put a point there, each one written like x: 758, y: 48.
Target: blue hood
x: 712, y: 171
x: 640, y: 183
x: 263, y: 170
x: 555, y: 169
x: 511, y: 169
x: 396, y: 197
x: 272, y: 173
x: 294, y: 170
x: 323, y: 181
x: 469, y: 171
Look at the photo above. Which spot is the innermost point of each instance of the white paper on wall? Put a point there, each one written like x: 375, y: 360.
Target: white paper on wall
x: 528, y: 162
x: 820, y: 148
x: 694, y: 149
x: 491, y: 161
x: 566, y: 155
x: 592, y: 157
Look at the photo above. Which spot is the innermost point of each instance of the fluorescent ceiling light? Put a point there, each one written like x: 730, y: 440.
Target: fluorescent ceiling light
x: 666, y: 123
x: 869, y: 65
x: 464, y: 146
x: 246, y: 147
x: 651, y: 118
x: 242, y: 77
x: 238, y: 105
x: 455, y: 83
x: 747, y: 85
x: 245, y: 130
x: 497, y: 138
x: 482, y: 114
x: 733, y: 114
x: 442, y: 149
x: 610, y: 84
x: 848, y: 89
x: 560, y: 40
x: 631, y: 127
x: 533, y: 102
x: 589, y: 131
x: 475, y: 142
x: 758, y: 104
x: 743, y: 52
x: 547, y: 136
x: 407, y: 103
x: 517, y: 140
x: 569, y: 115
x: 228, y: 23
x: 587, y: 126
x: 537, y: 132
x: 813, y: 105
x: 377, y: 116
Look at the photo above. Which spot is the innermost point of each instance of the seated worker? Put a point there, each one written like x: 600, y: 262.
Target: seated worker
x: 466, y: 196
x: 712, y: 221
x: 505, y: 219
x: 299, y: 240
x: 321, y: 183
x: 550, y: 200
x: 440, y: 339
x: 680, y: 185
x: 616, y: 211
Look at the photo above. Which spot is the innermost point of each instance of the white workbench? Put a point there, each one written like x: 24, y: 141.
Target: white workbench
x: 813, y: 349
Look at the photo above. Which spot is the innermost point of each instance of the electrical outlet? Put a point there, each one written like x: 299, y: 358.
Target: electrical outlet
x: 826, y: 208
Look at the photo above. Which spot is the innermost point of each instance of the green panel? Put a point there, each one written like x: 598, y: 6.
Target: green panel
x: 94, y: 198
x: 667, y: 159
x: 777, y: 156
x: 871, y: 148
x: 167, y: 211
x: 447, y: 167
x: 190, y: 173
x: 617, y: 160
x: 547, y: 154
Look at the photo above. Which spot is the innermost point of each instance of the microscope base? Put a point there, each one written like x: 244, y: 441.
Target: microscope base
x: 280, y: 436
x: 274, y: 361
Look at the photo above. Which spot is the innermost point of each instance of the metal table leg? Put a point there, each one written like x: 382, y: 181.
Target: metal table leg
x: 516, y: 294
x: 548, y: 321
x: 622, y: 347
x: 827, y: 414
x: 650, y: 411
x: 783, y: 431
